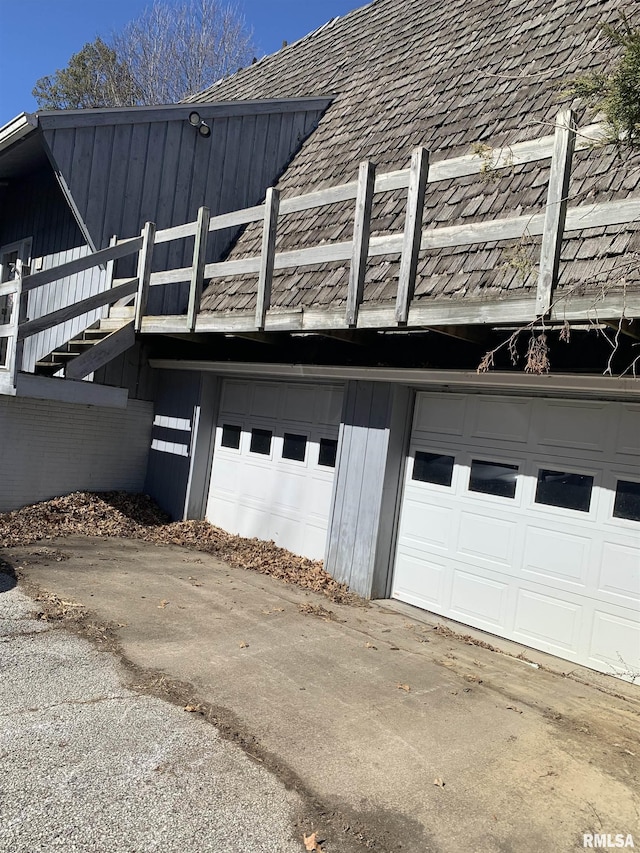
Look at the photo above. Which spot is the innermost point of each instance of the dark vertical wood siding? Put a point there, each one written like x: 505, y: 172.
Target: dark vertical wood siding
x: 123, y: 174
x: 36, y: 208
x: 168, y: 466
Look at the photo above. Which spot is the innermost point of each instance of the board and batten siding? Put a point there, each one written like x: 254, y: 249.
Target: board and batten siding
x: 36, y: 209
x: 374, y: 434
x: 57, y: 448
x: 122, y: 172
x: 185, y: 413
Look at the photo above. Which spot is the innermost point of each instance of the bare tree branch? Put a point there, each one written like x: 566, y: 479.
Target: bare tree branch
x: 173, y: 51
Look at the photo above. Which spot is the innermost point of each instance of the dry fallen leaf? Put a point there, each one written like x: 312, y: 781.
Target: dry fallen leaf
x: 438, y: 781
x: 403, y: 687
x: 244, y: 645
x: 138, y: 517
x: 163, y: 604
x: 192, y: 708
x: 311, y: 843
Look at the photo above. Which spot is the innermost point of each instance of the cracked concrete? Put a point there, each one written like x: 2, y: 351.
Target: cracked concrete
x: 364, y: 709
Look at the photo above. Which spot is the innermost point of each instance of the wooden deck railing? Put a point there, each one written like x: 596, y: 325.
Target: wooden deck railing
x: 550, y: 223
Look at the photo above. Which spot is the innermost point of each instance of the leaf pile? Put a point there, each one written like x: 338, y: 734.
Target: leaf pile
x: 119, y: 514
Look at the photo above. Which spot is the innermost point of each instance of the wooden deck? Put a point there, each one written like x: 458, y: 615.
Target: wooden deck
x: 550, y: 223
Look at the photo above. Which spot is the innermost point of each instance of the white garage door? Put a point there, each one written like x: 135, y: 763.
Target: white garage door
x: 522, y: 517
x: 274, y: 461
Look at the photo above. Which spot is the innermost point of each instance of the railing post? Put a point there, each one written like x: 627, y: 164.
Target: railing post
x: 418, y: 175
x: 556, y: 209
x: 267, y: 257
x: 144, y: 272
x: 197, y: 268
x: 18, y: 316
x: 111, y: 265
x: 110, y: 273
x: 361, y: 231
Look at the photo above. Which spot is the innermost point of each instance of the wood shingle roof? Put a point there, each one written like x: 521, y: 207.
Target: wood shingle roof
x: 456, y: 77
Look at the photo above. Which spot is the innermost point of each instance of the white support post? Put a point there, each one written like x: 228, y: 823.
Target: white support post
x: 267, y: 257
x: 418, y: 175
x: 556, y: 209
x: 361, y: 233
x: 18, y: 316
x: 197, y: 267
x: 144, y: 272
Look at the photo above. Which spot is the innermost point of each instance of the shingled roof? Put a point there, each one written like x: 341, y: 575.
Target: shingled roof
x: 446, y: 76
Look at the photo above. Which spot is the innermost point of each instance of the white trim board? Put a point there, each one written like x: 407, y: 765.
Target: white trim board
x: 561, y: 384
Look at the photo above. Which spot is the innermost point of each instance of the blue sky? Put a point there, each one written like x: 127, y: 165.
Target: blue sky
x: 39, y: 36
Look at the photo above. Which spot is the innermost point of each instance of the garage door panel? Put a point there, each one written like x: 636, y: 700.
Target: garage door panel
x: 319, y: 498
x: 425, y: 522
x: 227, y: 477
x: 256, y: 483
x: 236, y: 397
x: 288, y: 491
x: 266, y: 400
x: 480, y: 598
x: 557, y: 422
x: 615, y: 642
x: 296, y: 402
x: 313, y: 537
x: 620, y: 572
x: 628, y: 434
x: 427, y: 575
x: 441, y: 414
x: 499, y: 419
x: 548, y: 621
x: 491, y: 540
x: 556, y: 555
x: 327, y: 407
x: 553, y: 564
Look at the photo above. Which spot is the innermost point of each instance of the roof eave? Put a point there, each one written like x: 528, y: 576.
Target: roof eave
x: 52, y: 119
x: 17, y: 129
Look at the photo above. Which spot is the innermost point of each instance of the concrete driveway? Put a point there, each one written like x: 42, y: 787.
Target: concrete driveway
x: 393, y: 734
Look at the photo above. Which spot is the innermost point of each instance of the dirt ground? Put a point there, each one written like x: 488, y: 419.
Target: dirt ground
x: 398, y: 733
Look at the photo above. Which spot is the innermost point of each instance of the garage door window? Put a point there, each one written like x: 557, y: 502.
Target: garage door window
x: 493, y: 478
x: 561, y: 489
x: 261, y: 441
x: 231, y: 436
x: 433, y: 468
x: 327, y: 453
x: 294, y: 446
x: 627, y: 502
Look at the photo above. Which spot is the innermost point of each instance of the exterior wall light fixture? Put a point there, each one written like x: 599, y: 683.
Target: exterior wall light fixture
x: 201, y: 125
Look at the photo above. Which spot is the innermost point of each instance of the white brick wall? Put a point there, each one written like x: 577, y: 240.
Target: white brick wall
x: 49, y: 449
